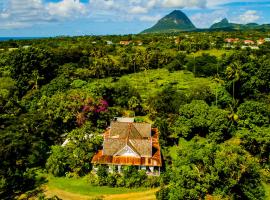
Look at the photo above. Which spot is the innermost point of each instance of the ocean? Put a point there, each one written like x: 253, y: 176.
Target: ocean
x: 18, y: 38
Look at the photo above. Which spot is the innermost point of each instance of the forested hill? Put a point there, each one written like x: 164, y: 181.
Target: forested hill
x: 175, y: 21
x: 208, y: 98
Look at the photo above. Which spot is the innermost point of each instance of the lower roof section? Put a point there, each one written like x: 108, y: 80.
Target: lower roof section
x: 126, y: 160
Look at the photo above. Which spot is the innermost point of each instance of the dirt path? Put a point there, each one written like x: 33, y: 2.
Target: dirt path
x: 65, y: 195
x: 147, y: 195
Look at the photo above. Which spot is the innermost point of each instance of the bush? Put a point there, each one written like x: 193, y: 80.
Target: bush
x: 130, y: 178
x: 203, y: 168
x: 152, y: 182
x: 57, y: 162
x: 163, y: 193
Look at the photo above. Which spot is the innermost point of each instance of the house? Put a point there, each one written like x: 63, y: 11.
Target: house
x: 260, y: 41
x: 249, y: 42
x: 125, y: 42
x: 12, y: 49
x: 232, y: 40
x: 250, y: 47
x: 109, y: 42
x: 177, y: 41
x: 130, y: 143
x: 26, y: 46
x: 139, y: 43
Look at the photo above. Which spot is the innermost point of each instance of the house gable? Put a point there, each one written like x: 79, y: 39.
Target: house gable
x: 127, y: 151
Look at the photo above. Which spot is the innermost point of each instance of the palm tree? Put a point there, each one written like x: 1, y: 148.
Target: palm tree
x: 233, y: 74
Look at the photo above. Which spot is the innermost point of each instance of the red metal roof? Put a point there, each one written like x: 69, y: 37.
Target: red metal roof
x: 154, y: 160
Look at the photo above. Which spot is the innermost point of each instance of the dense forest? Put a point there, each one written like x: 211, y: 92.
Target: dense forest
x: 210, y: 101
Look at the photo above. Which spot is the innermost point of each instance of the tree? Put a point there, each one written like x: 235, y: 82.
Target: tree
x: 20, y: 152
x: 167, y: 101
x: 257, y: 142
x: 202, y: 168
x: 197, y: 118
x: 31, y: 67
x: 76, y: 154
x: 252, y: 113
x: 57, y: 163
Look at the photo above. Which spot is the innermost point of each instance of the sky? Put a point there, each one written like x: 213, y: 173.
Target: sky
x: 43, y: 18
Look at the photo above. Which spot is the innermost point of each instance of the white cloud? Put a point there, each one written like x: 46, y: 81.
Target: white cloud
x: 205, y: 20
x: 147, y: 18
x: 138, y: 10
x: 248, y: 17
x: 67, y: 8
x: 21, y: 13
x: 25, y: 13
x: 184, y: 3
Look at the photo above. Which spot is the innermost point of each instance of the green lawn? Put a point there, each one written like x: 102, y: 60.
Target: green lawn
x: 214, y: 52
x: 149, y: 82
x: 267, y: 191
x: 173, y: 152
x: 82, y: 187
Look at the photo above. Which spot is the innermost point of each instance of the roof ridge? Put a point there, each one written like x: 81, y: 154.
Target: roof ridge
x: 133, y: 148
x: 138, y: 132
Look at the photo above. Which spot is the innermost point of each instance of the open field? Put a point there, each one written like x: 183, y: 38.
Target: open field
x: 213, y: 52
x: 79, y: 188
x: 267, y: 190
x: 151, y: 81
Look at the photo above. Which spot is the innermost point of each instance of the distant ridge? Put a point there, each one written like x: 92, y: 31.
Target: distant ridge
x: 175, y: 21
x: 224, y: 24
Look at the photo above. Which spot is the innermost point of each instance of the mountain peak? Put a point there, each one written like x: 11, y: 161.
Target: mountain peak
x: 176, y: 13
x: 175, y: 21
x: 225, y: 21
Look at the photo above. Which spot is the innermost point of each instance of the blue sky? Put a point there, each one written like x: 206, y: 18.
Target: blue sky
x: 23, y: 18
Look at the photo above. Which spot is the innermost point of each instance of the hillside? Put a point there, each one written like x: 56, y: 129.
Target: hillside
x: 178, y: 21
x: 209, y: 104
x: 224, y: 24
x: 175, y: 21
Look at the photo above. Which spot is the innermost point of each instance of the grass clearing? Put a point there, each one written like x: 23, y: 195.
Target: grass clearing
x: 152, y: 81
x: 267, y: 190
x: 213, y: 52
x: 79, y: 188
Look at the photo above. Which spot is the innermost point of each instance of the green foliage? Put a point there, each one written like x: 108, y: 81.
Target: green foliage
x: 205, y: 65
x: 130, y: 177
x: 20, y: 153
x: 203, y: 168
x: 178, y: 63
x: 202, y: 92
x: 31, y: 67
x: 252, y: 113
x: 167, y: 101
x: 257, y: 142
x: 197, y: 118
x: 71, y: 87
x: 163, y: 193
x: 74, y: 156
x: 57, y: 163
